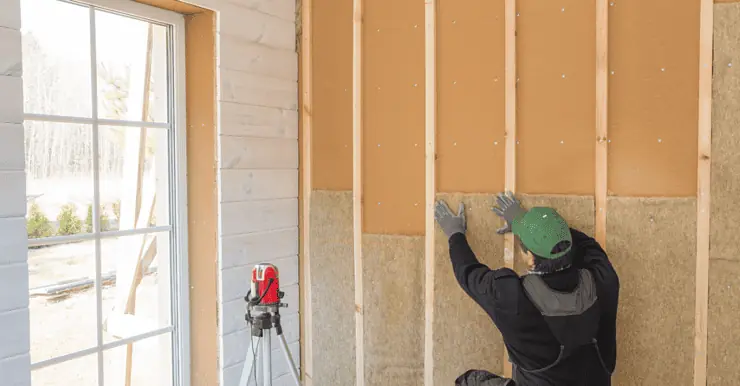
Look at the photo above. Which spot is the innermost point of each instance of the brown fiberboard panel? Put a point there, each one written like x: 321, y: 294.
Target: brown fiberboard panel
x: 723, y: 351
x: 331, y: 139
x: 476, y: 343
x: 393, y: 117
x: 332, y: 290
x: 652, y: 245
x: 470, y: 104
x: 556, y: 109
x: 393, y: 280
x: 578, y: 211
x: 725, y: 226
x: 653, y: 97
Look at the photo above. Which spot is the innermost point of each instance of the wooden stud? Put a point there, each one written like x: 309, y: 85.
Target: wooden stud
x: 357, y: 13
x: 510, y: 109
x: 602, y: 84
x: 706, y: 32
x: 306, y: 125
x: 430, y: 15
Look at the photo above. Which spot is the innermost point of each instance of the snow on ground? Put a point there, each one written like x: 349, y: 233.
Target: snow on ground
x: 65, y: 324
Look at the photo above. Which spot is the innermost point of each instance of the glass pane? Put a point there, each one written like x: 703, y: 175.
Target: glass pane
x: 138, y: 301
x: 150, y: 362
x: 59, y: 178
x: 62, y: 305
x: 134, y: 177
x: 78, y: 372
x: 132, y: 63
x: 56, y: 58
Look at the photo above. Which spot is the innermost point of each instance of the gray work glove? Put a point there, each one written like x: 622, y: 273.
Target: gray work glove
x: 508, y: 209
x: 448, y: 221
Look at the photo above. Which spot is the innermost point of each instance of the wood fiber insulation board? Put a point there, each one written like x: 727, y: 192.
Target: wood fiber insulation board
x: 476, y: 343
x: 470, y: 83
x: 653, y: 97
x: 331, y: 135
x: 652, y: 245
x: 200, y: 84
x: 393, y: 277
x: 556, y: 105
x: 723, y: 348
x: 578, y: 212
x: 723, y: 351
x: 393, y: 167
x: 332, y: 291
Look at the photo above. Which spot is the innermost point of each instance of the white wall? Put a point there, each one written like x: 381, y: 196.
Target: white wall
x: 258, y: 177
x: 258, y: 167
x: 15, y: 361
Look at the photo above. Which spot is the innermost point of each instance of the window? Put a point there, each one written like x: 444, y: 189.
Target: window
x: 106, y: 193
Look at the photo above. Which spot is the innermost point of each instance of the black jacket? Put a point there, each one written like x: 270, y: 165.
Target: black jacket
x: 528, y: 339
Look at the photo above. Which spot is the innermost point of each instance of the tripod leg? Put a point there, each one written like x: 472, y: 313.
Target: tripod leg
x: 289, y: 359
x: 248, y: 368
x: 267, y: 358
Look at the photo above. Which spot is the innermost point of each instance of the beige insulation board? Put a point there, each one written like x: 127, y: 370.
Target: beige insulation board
x: 332, y: 288
x: 723, y: 354
x: 474, y: 343
x: 652, y: 245
x: 393, y: 282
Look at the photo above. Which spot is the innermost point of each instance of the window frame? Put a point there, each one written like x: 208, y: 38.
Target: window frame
x: 178, y: 228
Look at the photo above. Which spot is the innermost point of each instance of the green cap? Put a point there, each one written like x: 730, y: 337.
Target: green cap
x: 540, y: 230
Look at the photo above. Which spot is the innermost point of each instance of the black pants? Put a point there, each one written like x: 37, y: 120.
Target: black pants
x: 482, y: 378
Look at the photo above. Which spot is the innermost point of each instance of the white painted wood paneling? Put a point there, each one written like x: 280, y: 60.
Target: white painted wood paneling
x: 10, y: 17
x: 11, y: 95
x: 15, y: 371
x: 13, y: 241
x: 257, y: 216
x: 258, y: 121
x: 284, y: 9
x: 248, y: 185
x: 255, y: 247
x: 257, y: 27
x: 14, y: 333
x: 10, y: 52
x: 12, y: 155
x: 13, y: 287
x: 258, y: 90
x: 12, y: 194
x: 258, y: 153
x: 254, y: 58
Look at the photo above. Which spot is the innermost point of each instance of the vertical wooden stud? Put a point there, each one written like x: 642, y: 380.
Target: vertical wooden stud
x: 706, y: 31
x: 357, y: 14
x: 510, y: 124
x: 602, y: 84
x: 306, y: 121
x: 430, y: 15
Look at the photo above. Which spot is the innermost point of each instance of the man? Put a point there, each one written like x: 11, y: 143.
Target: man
x: 558, y: 321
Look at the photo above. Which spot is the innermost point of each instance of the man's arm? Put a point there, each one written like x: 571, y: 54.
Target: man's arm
x: 592, y: 256
x: 475, y: 278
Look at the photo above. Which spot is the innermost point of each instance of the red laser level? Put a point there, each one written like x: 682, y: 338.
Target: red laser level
x: 266, y: 284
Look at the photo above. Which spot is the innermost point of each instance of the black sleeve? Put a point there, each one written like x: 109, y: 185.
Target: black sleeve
x: 590, y: 255
x: 475, y: 278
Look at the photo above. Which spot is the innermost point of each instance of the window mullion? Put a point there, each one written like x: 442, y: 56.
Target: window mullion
x: 96, y: 196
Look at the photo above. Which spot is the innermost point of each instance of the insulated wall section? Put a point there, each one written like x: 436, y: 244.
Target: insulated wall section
x: 393, y: 117
x: 653, y: 97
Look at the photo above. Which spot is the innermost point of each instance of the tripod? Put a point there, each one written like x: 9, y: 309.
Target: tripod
x: 266, y: 317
